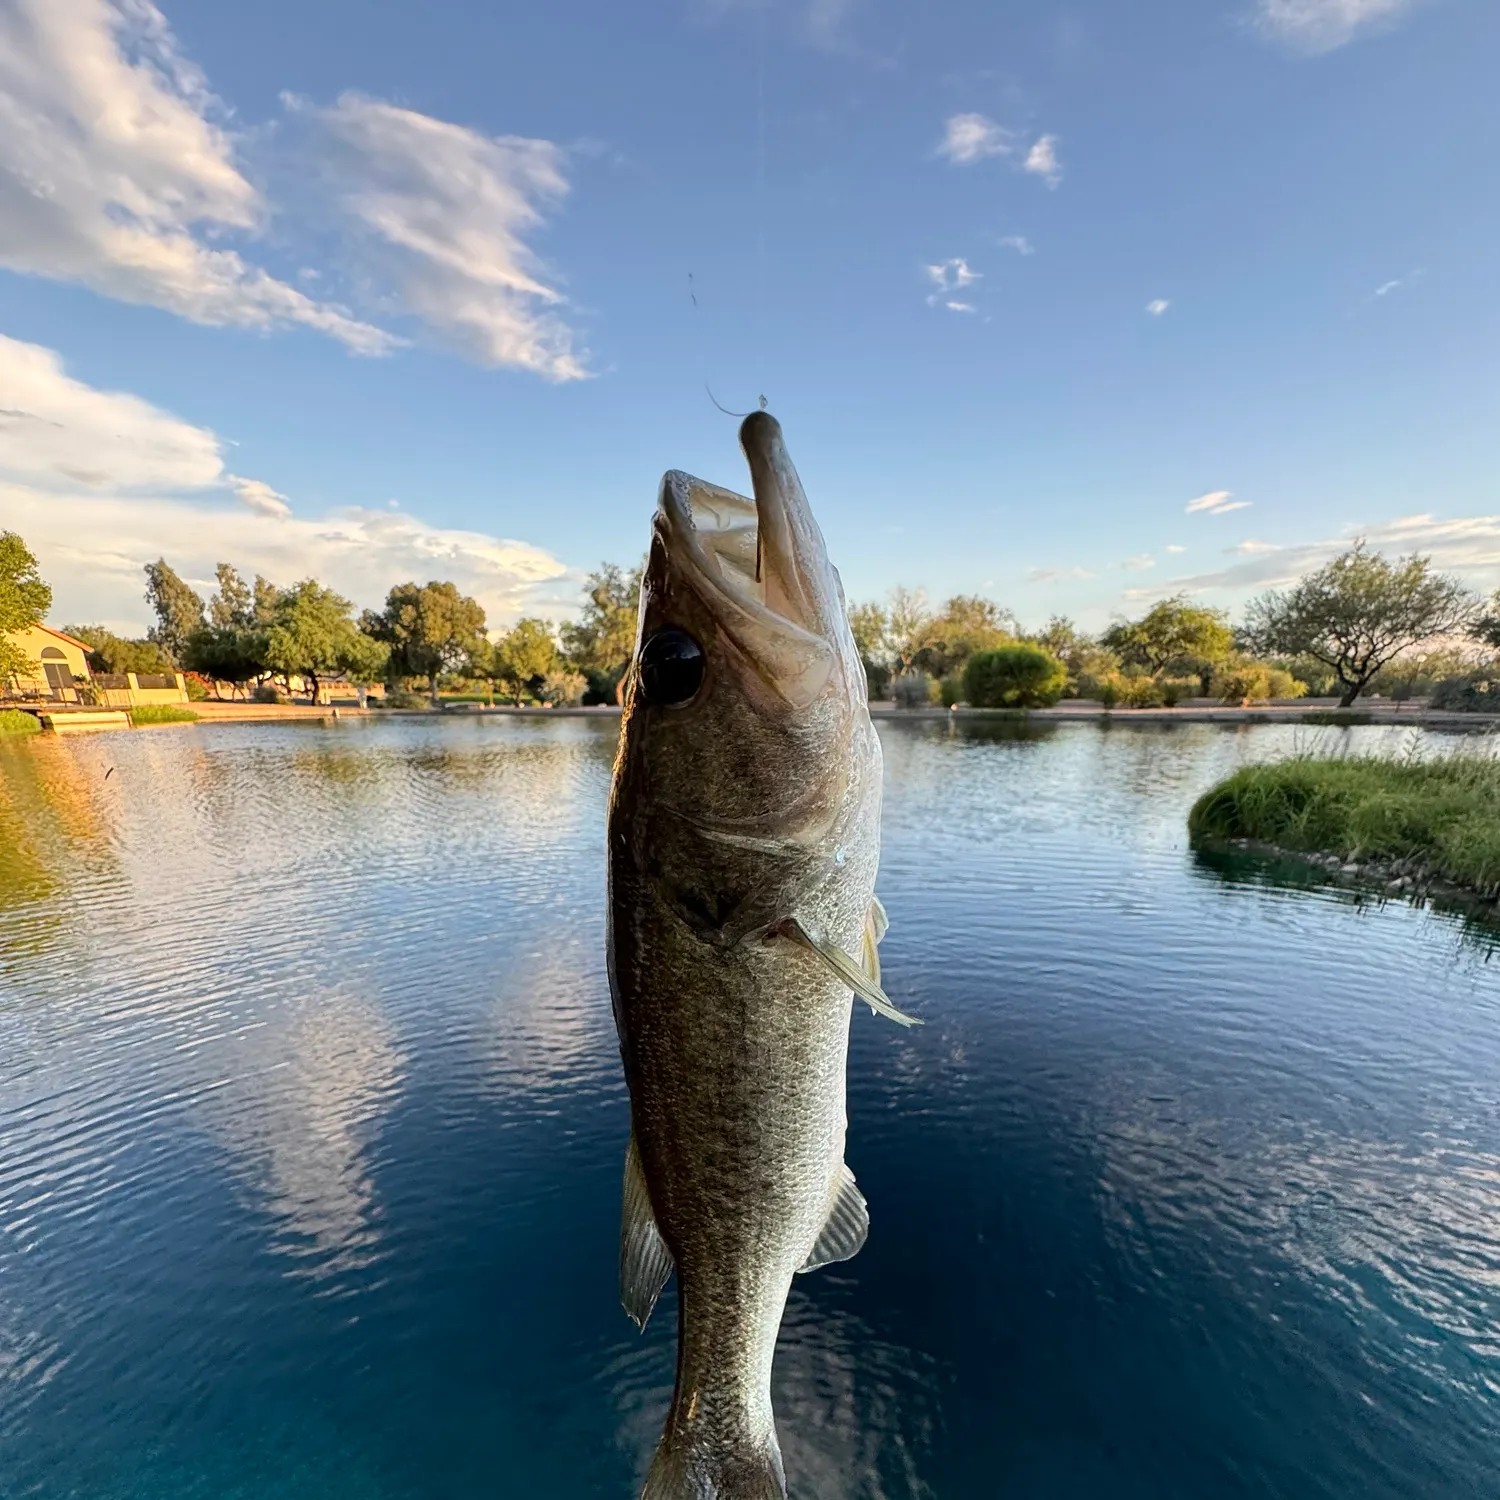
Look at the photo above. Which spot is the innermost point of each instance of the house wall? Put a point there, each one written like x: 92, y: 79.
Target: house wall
x: 38, y: 645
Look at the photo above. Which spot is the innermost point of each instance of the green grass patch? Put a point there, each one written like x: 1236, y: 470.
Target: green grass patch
x: 18, y: 721
x: 1442, y: 813
x: 162, y: 713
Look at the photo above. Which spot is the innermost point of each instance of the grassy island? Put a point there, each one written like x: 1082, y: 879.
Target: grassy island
x: 17, y: 721
x: 1421, y: 820
x: 162, y: 713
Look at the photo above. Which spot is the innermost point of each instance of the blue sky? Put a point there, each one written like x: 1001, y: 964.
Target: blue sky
x: 383, y: 291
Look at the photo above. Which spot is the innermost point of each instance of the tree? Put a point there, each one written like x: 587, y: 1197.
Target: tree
x: 430, y: 629
x: 314, y: 635
x: 179, y: 611
x: 524, y: 655
x: 234, y: 604
x: 1172, y: 632
x: 24, y: 599
x: 600, y: 641
x: 1359, y: 612
x: 1017, y: 676
x: 965, y: 624
x: 113, y: 654
x: 906, y: 621
x: 868, y: 625
x: 1486, y: 627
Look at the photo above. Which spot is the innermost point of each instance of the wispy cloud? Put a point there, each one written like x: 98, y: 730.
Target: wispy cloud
x: 1139, y: 563
x: 1467, y: 545
x: 102, y: 482
x: 1042, y: 161
x: 1157, y: 306
x: 1057, y: 575
x: 1314, y: 26
x: 1250, y: 546
x: 442, y: 214
x: 1017, y: 242
x: 973, y: 137
x: 961, y: 307
x: 1215, y: 503
x: 1387, y: 287
x: 1173, y: 547
x: 953, y: 274
x: 114, y: 173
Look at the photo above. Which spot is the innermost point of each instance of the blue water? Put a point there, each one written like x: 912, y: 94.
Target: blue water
x: 311, y: 1123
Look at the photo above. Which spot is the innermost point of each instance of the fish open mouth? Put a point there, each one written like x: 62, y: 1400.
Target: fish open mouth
x: 760, y: 565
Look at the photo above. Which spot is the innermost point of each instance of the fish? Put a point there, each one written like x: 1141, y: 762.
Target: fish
x: 743, y: 846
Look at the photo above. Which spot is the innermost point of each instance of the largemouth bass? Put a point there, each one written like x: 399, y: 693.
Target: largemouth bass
x: 744, y: 835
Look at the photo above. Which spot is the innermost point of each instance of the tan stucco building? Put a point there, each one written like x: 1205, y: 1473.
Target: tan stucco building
x: 61, y: 663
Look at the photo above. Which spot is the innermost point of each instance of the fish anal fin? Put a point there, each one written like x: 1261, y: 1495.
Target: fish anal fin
x: 645, y: 1261
x: 846, y: 1228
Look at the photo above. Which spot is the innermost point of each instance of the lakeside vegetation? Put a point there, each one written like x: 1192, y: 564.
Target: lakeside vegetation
x: 1361, y: 625
x: 162, y: 713
x: 1417, y: 820
x: 15, y: 721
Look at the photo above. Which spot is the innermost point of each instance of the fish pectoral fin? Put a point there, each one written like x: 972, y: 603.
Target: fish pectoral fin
x: 849, y: 971
x: 847, y: 1226
x: 877, y: 924
x: 645, y: 1261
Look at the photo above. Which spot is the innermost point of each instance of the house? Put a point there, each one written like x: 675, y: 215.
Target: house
x: 62, y: 664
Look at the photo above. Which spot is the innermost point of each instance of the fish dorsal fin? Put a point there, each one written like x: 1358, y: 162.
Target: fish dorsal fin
x: 847, y: 1226
x: 849, y: 971
x: 877, y: 924
x: 645, y: 1261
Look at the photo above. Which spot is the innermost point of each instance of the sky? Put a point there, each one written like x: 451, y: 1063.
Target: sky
x: 1072, y: 305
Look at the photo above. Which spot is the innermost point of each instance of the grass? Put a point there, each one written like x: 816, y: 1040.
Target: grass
x: 162, y: 713
x: 1441, y: 816
x: 18, y: 721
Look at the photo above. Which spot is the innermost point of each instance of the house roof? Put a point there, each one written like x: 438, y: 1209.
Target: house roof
x: 62, y: 635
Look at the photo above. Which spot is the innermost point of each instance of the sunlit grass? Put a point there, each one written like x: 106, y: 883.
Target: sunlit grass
x: 18, y: 721
x: 1442, y: 814
x: 162, y: 713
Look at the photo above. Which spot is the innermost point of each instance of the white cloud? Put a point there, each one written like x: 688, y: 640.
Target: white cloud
x: 1056, y: 575
x: 1017, y: 242
x: 1042, y: 161
x: 952, y: 275
x: 1139, y: 563
x: 1158, y: 306
x: 442, y: 213
x: 1250, y: 546
x: 1173, y: 547
x: 1387, y: 287
x: 960, y: 307
x: 972, y: 137
x: 101, y: 482
x: 1215, y: 503
x: 112, y: 172
x: 1314, y: 26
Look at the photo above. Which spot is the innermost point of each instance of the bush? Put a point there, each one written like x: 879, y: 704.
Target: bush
x: 603, y: 687
x: 1255, y: 681
x: 1141, y: 690
x: 914, y: 690
x: 267, y: 692
x: 951, y: 689
x: 564, y: 689
x: 401, y: 698
x: 197, y: 687
x: 1014, y: 677
x: 18, y: 721
x: 1476, y: 692
x: 1175, y: 689
x: 877, y: 680
x: 162, y: 713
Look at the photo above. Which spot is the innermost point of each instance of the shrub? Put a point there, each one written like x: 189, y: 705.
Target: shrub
x: 1476, y: 692
x: 18, y: 721
x: 1102, y: 687
x: 1141, y: 690
x: 267, y: 692
x: 951, y: 689
x: 1017, y: 676
x: 197, y: 687
x: 1175, y: 689
x: 162, y: 713
x: 1240, y: 680
x: 564, y: 689
x: 914, y: 690
x: 401, y: 698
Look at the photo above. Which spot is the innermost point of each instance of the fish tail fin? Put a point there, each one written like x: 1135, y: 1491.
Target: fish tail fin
x: 682, y: 1471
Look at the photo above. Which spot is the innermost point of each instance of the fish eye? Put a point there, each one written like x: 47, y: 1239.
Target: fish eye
x: 671, y: 667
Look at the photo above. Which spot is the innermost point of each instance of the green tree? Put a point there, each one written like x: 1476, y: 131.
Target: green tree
x: 179, y: 611
x: 524, y: 655
x: 1486, y: 627
x: 869, y: 625
x: 1017, y: 676
x: 24, y: 599
x: 1359, y: 612
x: 314, y: 635
x: 600, y: 641
x: 234, y: 604
x: 1172, y: 633
x: 965, y: 624
x: 906, y: 619
x: 431, y: 629
x: 111, y: 653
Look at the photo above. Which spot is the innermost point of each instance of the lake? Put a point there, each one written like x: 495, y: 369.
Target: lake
x: 311, y: 1124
